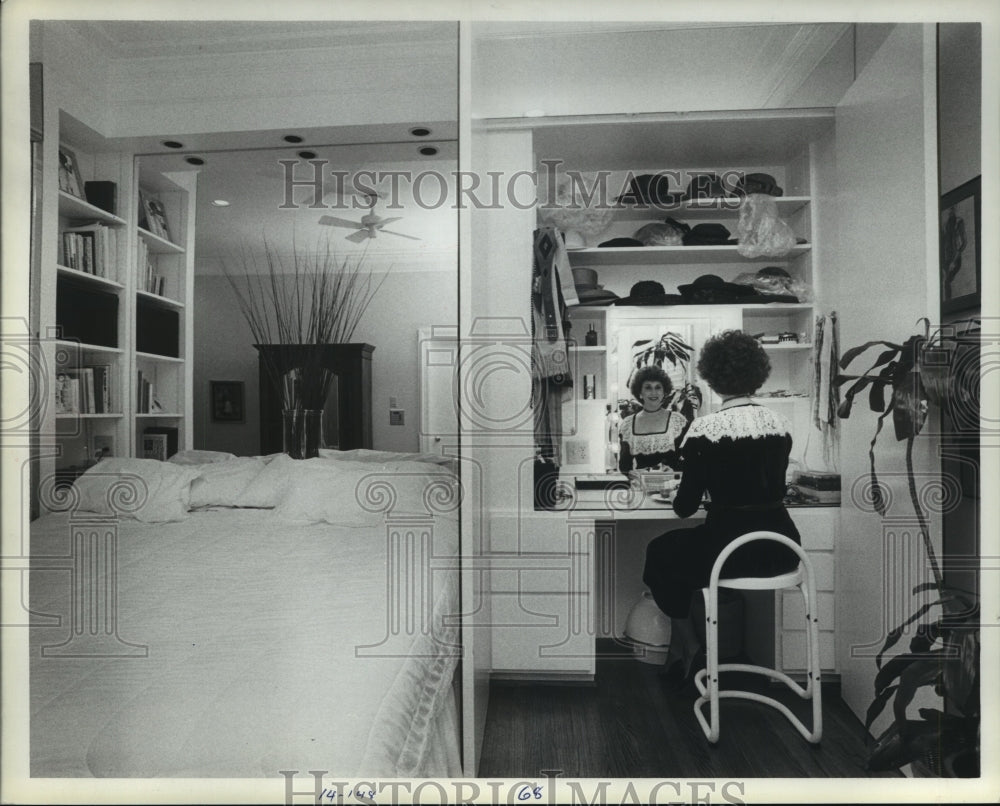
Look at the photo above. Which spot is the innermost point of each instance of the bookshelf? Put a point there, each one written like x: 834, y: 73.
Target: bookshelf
x: 115, y: 296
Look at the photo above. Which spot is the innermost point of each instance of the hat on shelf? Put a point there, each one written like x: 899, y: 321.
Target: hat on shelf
x: 669, y: 233
x: 704, y: 186
x: 708, y: 235
x: 650, y: 189
x: 649, y: 292
x: 616, y: 243
x: 711, y: 289
x: 588, y: 292
x: 757, y: 183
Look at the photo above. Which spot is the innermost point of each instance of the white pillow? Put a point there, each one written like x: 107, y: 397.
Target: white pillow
x: 271, y: 485
x: 145, y: 489
x: 199, y: 457
x: 363, y: 494
x: 326, y: 492
x: 224, y: 483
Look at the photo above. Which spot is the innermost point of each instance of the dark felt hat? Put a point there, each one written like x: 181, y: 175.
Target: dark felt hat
x: 712, y: 289
x: 703, y: 186
x: 620, y: 242
x: 596, y: 296
x: 649, y: 292
x: 650, y: 189
x: 708, y: 235
x: 757, y: 183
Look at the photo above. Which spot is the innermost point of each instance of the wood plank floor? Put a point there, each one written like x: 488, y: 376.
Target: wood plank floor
x: 633, y: 724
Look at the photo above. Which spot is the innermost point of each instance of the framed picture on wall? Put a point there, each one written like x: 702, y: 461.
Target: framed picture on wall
x: 227, y: 401
x: 70, y: 180
x: 960, y: 248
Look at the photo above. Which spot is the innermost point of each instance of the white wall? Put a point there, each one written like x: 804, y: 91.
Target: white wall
x: 223, y: 347
x: 881, y: 277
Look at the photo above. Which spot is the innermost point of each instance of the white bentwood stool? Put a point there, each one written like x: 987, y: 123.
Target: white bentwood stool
x: 707, y: 679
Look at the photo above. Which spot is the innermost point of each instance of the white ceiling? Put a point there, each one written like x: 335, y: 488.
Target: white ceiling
x: 254, y: 182
x: 242, y: 166
x: 135, y: 39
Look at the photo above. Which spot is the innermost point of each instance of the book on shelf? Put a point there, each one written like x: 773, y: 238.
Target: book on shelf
x: 86, y: 390
x: 91, y: 248
x: 150, y: 280
x: 67, y: 394
x: 144, y: 394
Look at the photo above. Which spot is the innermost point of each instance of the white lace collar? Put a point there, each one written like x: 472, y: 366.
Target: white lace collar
x: 739, y: 422
x: 659, y: 442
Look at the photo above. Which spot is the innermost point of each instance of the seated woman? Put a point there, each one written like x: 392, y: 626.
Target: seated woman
x: 649, y: 437
x: 738, y: 455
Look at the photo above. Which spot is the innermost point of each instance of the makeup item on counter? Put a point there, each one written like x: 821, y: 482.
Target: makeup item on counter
x: 589, y: 387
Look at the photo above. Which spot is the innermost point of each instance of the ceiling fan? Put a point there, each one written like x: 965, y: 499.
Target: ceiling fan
x: 369, y: 226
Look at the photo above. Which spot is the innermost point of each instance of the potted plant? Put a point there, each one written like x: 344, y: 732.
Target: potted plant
x: 292, y: 303
x: 903, y: 382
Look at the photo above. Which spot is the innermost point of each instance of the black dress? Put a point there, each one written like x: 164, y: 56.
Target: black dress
x: 739, y: 455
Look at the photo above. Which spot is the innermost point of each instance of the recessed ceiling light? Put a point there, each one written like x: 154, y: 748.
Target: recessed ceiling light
x: 173, y: 144
x: 292, y: 138
x: 194, y: 160
x: 429, y: 151
x: 220, y: 203
x: 307, y: 155
x: 420, y: 131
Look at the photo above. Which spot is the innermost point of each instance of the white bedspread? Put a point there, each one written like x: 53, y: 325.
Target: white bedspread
x: 252, y: 625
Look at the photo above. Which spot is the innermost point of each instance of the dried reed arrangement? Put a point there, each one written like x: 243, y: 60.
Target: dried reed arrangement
x: 312, y: 298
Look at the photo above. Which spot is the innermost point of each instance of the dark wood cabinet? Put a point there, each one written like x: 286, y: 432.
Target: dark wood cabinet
x: 347, y: 419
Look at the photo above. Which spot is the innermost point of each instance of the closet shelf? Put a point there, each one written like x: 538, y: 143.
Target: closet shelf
x: 76, y: 274
x: 159, y: 299
x: 158, y: 245
x: 71, y: 206
x: 672, y: 255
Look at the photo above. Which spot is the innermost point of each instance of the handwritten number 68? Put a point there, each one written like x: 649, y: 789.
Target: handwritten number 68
x: 527, y: 793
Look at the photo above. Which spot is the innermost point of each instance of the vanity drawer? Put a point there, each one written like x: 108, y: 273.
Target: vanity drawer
x: 540, y: 533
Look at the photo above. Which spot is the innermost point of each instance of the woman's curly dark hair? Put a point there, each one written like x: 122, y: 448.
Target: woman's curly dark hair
x: 733, y: 363
x: 653, y: 373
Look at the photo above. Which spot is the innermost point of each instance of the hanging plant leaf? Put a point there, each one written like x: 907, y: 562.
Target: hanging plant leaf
x: 854, y: 352
x: 877, y: 500
x: 878, y: 705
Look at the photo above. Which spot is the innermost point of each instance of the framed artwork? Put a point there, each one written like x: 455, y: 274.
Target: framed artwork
x: 69, y: 173
x: 227, y: 401
x: 960, y: 247
x: 154, y: 446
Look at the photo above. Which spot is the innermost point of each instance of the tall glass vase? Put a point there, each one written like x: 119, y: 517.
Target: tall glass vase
x: 302, y: 432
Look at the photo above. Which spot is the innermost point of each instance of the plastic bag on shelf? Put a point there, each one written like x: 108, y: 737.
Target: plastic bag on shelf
x: 761, y: 232
x: 774, y: 280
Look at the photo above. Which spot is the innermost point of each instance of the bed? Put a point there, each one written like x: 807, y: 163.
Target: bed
x: 234, y: 617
